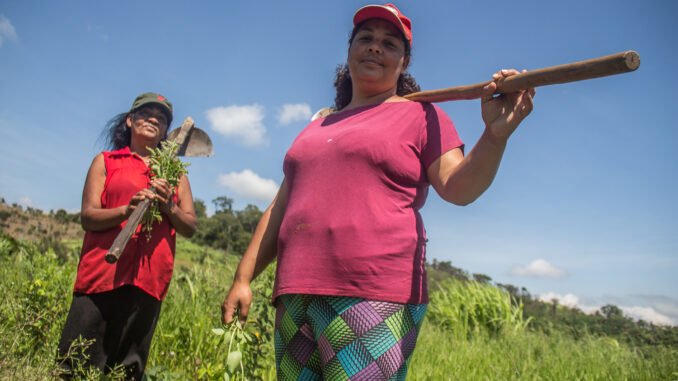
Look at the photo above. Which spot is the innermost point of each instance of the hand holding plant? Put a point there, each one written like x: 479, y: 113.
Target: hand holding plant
x: 166, y: 171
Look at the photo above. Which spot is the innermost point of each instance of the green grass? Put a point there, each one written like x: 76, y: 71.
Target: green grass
x: 471, y: 308
x: 472, y: 332
x: 535, y: 356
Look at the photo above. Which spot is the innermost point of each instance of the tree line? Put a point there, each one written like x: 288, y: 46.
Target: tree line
x: 227, y: 229
x: 551, y: 317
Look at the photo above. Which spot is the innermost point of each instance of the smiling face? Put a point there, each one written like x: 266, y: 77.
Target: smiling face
x: 147, y: 124
x: 377, y: 56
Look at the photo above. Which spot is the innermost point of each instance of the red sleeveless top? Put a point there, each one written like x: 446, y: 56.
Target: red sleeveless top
x: 144, y: 264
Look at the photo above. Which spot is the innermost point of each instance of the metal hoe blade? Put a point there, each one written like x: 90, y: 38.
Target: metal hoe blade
x: 192, y: 140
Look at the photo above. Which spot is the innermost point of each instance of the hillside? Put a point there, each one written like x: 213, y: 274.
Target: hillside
x: 229, y: 231
x: 474, y: 329
x: 35, y: 225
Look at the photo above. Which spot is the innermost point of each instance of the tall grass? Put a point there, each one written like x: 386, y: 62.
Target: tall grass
x: 185, y: 345
x: 472, y: 332
x: 32, y: 285
x: 441, y: 355
x: 470, y: 309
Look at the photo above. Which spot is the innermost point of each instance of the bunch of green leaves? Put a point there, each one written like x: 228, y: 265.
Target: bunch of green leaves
x: 164, y: 164
x: 234, y: 333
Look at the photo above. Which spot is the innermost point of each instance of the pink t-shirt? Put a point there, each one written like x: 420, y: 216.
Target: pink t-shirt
x: 357, y: 180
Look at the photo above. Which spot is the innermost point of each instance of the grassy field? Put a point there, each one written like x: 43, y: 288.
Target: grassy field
x: 472, y: 331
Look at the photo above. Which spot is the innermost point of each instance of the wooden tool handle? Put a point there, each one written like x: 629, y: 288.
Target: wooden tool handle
x: 577, y: 71
x: 126, y: 233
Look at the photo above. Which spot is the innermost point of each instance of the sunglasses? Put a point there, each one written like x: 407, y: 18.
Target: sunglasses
x: 146, y: 113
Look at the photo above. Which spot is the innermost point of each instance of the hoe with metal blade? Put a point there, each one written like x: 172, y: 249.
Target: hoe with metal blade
x: 192, y: 141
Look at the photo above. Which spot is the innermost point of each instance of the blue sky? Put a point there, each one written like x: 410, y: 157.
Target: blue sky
x: 583, y: 208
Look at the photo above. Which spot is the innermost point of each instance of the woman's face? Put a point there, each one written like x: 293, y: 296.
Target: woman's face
x: 376, y: 57
x: 148, y: 123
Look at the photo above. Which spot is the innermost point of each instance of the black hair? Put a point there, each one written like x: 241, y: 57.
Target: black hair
x: 116, y: 133
x: 344, y: 88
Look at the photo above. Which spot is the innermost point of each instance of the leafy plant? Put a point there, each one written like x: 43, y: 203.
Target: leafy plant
x: 237, y: 339
x: 164, y: 164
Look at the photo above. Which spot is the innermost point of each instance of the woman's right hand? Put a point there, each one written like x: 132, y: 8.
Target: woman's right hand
x: 239, y: 299
x: 137, y: 199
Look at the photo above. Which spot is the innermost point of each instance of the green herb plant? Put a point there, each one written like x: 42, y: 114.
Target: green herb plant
x: 234, y: 333
x: 164, y: 164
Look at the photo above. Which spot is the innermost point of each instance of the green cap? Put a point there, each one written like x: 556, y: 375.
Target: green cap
x: 156, y: 99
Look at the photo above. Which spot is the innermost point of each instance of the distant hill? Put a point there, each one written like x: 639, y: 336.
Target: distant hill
x: 31, y: 224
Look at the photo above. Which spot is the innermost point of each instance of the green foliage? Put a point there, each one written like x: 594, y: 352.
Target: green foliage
x: 610, y: 322
x: 473, y: 309
x: 534, y: 356
x: 200, y: 208
x: 36, y: 289
x: 77, y: 359
x: 64, y: 217
x: 482, y: 278
x: 473, y: 331
x: 228, y: 229
x: 443, y: 270
x: 164, y: 164
x: 223, y: 204
x: 4, y: 215
x: 189, y: 343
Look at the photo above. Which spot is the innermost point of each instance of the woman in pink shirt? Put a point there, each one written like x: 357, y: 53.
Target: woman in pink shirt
x: 345, y: 226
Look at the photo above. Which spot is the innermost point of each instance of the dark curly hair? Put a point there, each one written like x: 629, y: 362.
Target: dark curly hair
x: 344, y: 88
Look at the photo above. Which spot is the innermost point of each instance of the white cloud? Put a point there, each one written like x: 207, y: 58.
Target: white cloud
x: 568, y: 300
x: 648, y: 314
x: 7, y: 32
x: 25, y: 201
x: 248, y: 184
x: 668, y: 307
x: 294, y: 113
x: 539, y: 268
x: 244, y: 123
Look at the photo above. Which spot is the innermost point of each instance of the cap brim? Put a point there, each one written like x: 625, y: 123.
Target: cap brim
x: 162, y: 106
x: 380, y: 12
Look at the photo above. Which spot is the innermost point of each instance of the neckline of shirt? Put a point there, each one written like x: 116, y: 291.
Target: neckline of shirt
x: 363, y: 108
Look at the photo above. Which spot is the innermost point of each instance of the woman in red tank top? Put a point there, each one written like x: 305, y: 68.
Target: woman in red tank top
x: 117, y: 305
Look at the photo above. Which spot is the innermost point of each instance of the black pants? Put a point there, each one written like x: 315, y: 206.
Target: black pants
x: 121, y: 322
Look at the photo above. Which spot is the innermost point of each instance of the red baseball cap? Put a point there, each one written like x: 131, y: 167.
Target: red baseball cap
x: 388, y: 12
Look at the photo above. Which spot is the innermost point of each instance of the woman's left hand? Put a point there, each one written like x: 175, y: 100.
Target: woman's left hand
x: 164, y: 192
x: 502, y: 114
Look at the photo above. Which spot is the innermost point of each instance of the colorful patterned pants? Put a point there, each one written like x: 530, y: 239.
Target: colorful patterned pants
x: 341, y: 338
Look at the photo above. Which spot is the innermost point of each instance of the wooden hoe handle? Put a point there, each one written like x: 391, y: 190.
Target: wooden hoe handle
x: 126, y: 233
x: 577, y: 71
